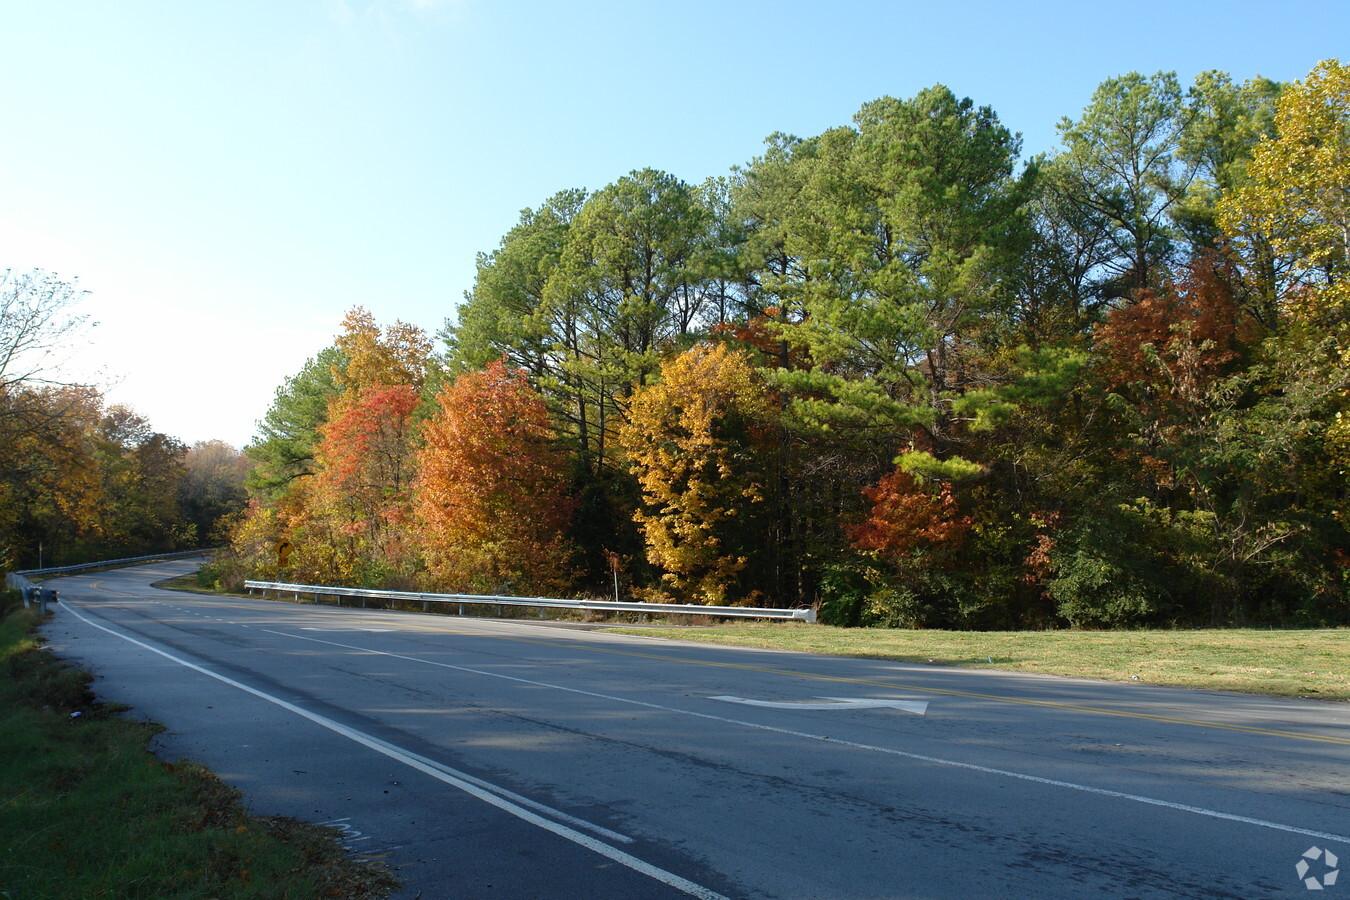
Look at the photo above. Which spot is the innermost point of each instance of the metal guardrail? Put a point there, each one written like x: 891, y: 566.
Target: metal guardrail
x: 32, y: 593
x: 805, y: 615
x: 113, y: 563
x: 35, y: 593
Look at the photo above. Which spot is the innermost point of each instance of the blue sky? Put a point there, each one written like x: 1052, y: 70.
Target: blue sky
x: 228, y: 178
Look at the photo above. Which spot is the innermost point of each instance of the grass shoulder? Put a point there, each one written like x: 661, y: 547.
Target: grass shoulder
x: 1312, y: 663
x: 192, y: 583
x: 89, y: 811
x: 1281, y: 663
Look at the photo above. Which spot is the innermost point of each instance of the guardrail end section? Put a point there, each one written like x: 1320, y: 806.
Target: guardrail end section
x: 806, y: 615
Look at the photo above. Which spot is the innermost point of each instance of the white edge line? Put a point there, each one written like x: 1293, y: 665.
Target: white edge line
x: 514, y: 797
x: 972, y: 767
x: 435, y: 771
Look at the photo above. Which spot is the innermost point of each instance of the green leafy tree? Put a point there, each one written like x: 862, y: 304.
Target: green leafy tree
x: 1224, y: 125
x: 1227, y: 122
x: 626, y: 287
x: 892, y: 239
x: 726, y: 286
x: 1055, y: 285
x: 505, y: 316
x: 1122, y: 164
x: 289, y: 433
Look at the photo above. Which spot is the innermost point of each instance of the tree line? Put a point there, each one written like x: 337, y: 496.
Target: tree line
x: 80, y: 479
x: 892, y: 371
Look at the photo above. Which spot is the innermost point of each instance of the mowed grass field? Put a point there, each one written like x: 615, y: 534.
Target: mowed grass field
x: 1284, y: 663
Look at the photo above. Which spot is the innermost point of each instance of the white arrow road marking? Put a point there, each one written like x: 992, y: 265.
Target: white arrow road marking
x: 918, y: 707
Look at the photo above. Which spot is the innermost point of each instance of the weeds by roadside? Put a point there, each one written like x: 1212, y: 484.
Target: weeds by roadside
x: 87, y: 811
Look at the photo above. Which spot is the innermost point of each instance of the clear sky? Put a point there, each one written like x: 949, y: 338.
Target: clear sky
x: 228, y: 177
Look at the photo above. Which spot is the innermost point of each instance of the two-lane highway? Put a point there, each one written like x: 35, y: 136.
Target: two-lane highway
x: 485, y: 758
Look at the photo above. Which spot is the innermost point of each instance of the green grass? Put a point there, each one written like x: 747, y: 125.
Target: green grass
x: 87, y: 811
x: 191, y: 584
x: 1282, y: 663
x: 1306, y: 663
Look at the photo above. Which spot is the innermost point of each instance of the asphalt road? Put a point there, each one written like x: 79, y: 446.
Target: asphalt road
x: 495, y: 759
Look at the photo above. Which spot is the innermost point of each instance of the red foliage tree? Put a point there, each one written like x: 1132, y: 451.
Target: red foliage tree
x: 907, y: 515
x: 361, y: 496
x: 761, y: 335
x: 1191, y: 326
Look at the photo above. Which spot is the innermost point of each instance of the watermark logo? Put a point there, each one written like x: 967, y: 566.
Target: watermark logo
x: 1328, y: 868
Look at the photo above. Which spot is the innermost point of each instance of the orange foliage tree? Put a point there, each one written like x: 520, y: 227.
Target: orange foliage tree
x: 1167, y: 354
x: 351, y: 523
x: 491, y: 495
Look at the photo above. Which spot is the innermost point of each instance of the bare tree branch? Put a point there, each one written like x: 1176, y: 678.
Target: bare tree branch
x: 37, y: 322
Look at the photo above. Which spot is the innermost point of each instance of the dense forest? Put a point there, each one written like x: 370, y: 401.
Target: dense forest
x: 894, y: 371
x: 82, y: 480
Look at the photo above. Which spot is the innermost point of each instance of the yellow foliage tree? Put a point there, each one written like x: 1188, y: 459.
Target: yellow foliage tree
x: 51, y: 480
x: 692, y: 442
x: 399, y: 354
x: 1298, y: 194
